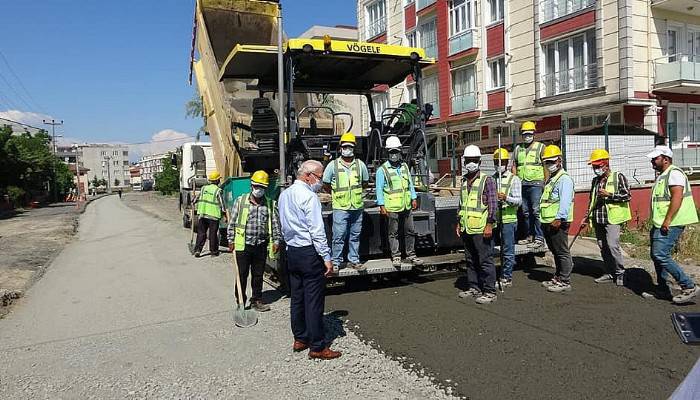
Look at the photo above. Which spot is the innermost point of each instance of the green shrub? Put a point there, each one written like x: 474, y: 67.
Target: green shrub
x: 17, y: 196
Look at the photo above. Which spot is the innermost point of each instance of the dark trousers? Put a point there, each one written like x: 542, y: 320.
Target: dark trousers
x: 558, y: 243
x: 481, y: 271
x: 212, y: 226
x: 307, y: 284
x: 252, y: 259
x: 397, y: 222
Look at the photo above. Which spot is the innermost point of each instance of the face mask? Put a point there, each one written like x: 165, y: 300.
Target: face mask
x: 502, y: 169
x: 528, y: 138
x: 471, y: 167
x: 316, y: 187
x: 552, y: 167
x: 598, y: 171
x: 394, y: 157
x: 258, y: 193
x: 347, y: 152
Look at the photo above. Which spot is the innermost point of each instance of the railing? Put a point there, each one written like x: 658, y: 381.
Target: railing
x: 463, y: 103
x: 461, y: 42
x: 421, y: 4
x: 431, y: 50
x: 376, y: 28
x: 570, y: 80
x: 677, y: 67
x: 553, y: 9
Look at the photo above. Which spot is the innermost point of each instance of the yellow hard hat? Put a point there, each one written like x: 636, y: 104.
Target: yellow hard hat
x: 551, y: 151
x: 260, y: 178
x: 599, y: 154
x: 347, y: 138
x: 501, y: 154
x: 214, y: 176
x: 527, y: 126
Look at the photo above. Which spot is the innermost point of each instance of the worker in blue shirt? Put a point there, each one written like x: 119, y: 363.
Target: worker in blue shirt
x: 396, y: 198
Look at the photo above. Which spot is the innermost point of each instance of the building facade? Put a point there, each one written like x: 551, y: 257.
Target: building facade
x: 572, y: 63
x: 102, y: 161
x: 151, y: 165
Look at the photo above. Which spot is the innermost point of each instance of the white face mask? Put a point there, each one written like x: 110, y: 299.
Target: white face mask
x: 347, y: 152
x: 502, y: 169
x: 598, y: 171
x: 258, y: 193
x: 471, y: 167
x: 553, y: 167
x: 528, y: 138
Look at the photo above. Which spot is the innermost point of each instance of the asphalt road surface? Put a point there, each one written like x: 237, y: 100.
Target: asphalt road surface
x: 596, y: 342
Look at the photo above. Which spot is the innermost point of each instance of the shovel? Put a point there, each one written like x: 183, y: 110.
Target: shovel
x: 242, y: 317
x: 191, y: 244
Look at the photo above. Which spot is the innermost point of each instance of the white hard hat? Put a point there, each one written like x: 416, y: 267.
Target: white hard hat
x: 393, y: 142
x: 472, y: 151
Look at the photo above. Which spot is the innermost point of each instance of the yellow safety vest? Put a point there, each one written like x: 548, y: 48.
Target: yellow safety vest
x: 397, y: 193
x: 549, y: 207
x: 474, y: 213
x: 208, y: 203
x: 242, y: 221
x: 347, y: 187
x: 661, y: 200
x: 618, y: 213
x: 509, y: 213
x: 530, y: 166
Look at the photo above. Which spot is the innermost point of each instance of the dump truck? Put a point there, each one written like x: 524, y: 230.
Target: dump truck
x: 196, y: 161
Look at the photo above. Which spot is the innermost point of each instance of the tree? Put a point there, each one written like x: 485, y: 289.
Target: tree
x: 195, y: 109
x: 103, y: 182
x: 95, y: 182
x: 167, y: 181
x: 64, y: 177
x: 116, y: 182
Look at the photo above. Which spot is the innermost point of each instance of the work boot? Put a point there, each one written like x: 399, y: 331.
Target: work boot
x: 551, y: 282
x: 486, y: 298
x: 537, y: 243
x: 358, y: 266
x: 197, y: 254
x: 415, y: 261
x: 299, y: 346
x: 396, y: 262
x: 659, y: 293
x: 525, y: 241
x: 605, y: 278
x: 469, y: 293
x: 686, y: 295
x: 259, y: 306
x: 559, y: 287
x: 325, y: 354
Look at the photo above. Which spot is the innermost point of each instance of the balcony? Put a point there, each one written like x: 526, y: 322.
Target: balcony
x: 678, y: 73
x: 431, y: 50
x: 570, y: 80
x: 464, y: 102
x: 461, y: 42
x: 553, y: 9
x: 687, y: 7
x: 376, y: 28
x: 421, y: 4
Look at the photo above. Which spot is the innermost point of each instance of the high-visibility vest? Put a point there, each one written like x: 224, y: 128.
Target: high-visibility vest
x: 661, y: 200
x: 509, y: 213
x: 549, y: 207
x: 530, y: 166
x: 397, y: 193
x: 618, y: 213
x: 473, y: 214
x: 347, y: 187
x: 242, y: 221
x: 207, y: 203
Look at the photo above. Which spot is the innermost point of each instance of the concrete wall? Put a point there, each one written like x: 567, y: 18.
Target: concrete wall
x: 93, y: 155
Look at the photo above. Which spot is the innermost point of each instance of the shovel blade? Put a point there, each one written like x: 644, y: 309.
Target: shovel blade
x: 190, y: 246
x: 244, y: 318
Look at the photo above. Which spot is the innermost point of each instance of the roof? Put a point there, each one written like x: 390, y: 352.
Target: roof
x: 338, y: 32
x: 347, y: 67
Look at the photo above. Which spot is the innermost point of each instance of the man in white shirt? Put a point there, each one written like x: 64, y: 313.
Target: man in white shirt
x: 309, y: 259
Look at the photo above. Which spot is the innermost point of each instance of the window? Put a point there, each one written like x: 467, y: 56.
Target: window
x: 553, y: 9
x: 463, y: 89
x: 116, y: 163
x: 104, y: 153
x: 126, y: 163
x: 125, y: 153
x: 428, y: 38
x: 446, y: 144
x: 115, y: 153
x: 495, y: 11
x: 408, y: 2
x: 570, y: 64
x: 497, y: 72
x: 380, y: 102
x: 412, y: 39
x: 431, y: 94
x: 461, y: 16
x: 376, y: 18
x: 471, y: 136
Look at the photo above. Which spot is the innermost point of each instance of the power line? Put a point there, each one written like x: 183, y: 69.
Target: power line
x: 9, y: 103
x: 21, y: 98
x: 12, y: 71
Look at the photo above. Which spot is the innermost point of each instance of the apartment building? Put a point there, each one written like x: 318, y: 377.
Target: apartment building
x: 557, y: 62
x: 104, y: 161
x: 151, y: 165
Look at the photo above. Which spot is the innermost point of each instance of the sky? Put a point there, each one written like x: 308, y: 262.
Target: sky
x: 115, y: 71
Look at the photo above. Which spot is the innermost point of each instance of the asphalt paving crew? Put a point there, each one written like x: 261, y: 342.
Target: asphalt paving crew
x: 346, y: 177
x: 528, y: 164
x: 478, y: 205
x: 309, y: 259
x: 254, y: 233
x: 608, y: 209
x: 672, y: 209
x: 509, y: 199
x: 396, y: 198
x: 210, y: 209
x: 556, y: 215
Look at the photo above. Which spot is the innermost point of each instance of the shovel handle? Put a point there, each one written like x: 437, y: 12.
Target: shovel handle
x: 239, y: 298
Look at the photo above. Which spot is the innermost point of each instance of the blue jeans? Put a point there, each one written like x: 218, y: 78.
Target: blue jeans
x: 661, y: 247
x: 346, y: 223
x: 508, y: 248
x: 531, y: 210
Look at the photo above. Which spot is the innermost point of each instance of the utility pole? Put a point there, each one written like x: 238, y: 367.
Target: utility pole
x: 77, y: 171
x: 53, y: 124
x: 108, y: 160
